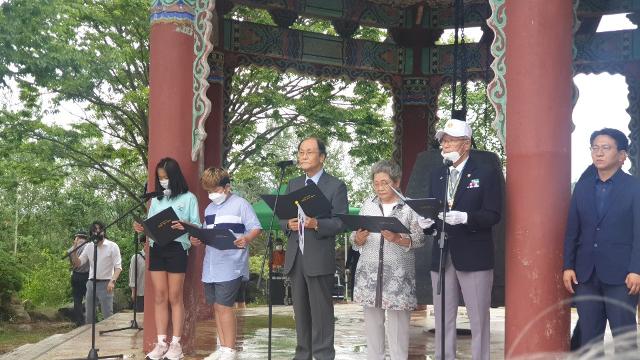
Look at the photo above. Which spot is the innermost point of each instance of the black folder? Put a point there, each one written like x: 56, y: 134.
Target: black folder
x: 158, y: 227
x: 427, y: 207
x: 221, y: 239
x: 311, y: 199
x: 374, y: 224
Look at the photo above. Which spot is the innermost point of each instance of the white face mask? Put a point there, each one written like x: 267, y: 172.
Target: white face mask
x: 217, y: 198
x: 164, y: 183
x: 453, y: 156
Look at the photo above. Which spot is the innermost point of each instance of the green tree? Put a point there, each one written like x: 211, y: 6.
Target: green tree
x: 95, y: 56
x: 11, y: 280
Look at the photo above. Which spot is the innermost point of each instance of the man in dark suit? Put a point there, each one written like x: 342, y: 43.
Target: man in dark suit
x: 602, y: 243
x: 474, y: 206
x: 311, y: 263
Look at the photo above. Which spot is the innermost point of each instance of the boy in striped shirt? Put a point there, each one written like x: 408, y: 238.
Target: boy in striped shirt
x: 224, y: 270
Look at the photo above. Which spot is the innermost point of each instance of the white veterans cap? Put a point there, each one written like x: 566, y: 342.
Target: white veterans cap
x: 454, y: 127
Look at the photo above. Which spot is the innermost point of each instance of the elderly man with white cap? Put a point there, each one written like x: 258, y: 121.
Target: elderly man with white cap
x: 474, y: 206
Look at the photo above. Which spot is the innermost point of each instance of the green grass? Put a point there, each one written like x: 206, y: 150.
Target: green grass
x: 13, y: 336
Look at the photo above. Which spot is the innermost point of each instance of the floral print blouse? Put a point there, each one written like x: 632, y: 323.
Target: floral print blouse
x: 385, y: 275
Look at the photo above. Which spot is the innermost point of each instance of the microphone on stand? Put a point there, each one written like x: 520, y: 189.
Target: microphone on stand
x: 285, y: 163
x: 147, y: 196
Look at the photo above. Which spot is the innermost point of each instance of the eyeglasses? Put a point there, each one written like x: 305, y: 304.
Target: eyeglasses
x: 604, y: 148
x: 451, y: 141
x: 306, y: 153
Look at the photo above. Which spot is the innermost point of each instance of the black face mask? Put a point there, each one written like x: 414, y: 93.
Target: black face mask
x: 99, y: 235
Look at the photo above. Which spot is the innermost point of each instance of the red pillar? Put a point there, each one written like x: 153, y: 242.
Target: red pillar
x: 170, y: 103
x: 539, y: 94
x: 414, y: 133
x: 417, y: 115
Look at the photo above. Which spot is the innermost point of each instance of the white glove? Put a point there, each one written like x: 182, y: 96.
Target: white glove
x: 425, y: 223
x: 455, y: 217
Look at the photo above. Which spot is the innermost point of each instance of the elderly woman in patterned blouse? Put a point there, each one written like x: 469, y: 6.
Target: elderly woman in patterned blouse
x: 385, y: 276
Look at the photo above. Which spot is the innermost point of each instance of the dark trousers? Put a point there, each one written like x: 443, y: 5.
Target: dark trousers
x: 78, y: 290
x: 598, y: 302
x: 139, y: 303
x: 576, y: 340
x: 313, y: 308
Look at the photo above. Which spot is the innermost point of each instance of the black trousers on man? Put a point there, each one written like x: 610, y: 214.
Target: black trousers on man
x: 78, y: 289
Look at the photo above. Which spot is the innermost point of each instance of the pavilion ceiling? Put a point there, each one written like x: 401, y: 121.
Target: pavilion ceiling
x: 427, y: 13
x: 406, y: 20
x: 429, y: 3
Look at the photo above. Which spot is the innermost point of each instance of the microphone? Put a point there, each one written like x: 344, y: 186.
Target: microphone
x: 154, y: 194
x: 285, y: 163
x: 447, y: 162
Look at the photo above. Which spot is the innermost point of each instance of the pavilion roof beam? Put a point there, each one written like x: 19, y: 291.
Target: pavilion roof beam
x: 607, y: 7
x: 375, y: 15
x: 435, y: 14
x: 612, y: 47
x: 589, y: 25
x: 289, y: 47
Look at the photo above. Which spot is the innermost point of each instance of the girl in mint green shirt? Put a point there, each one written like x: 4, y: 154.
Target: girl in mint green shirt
x: 168, y: 264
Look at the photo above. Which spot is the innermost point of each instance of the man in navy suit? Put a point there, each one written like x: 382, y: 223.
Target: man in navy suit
x: 475, y: 206
x: 602, y: 243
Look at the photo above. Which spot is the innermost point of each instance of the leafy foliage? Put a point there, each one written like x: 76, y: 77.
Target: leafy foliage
x: 94, y: 56
x: 11, y: 279
x: 48, y: 284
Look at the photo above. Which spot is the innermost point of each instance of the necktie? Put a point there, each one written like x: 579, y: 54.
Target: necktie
x: 301, y: 220
x: 453, y: 184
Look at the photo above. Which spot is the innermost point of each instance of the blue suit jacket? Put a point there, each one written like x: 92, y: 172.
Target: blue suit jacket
x: 607, y: 244
x: 479, y: 194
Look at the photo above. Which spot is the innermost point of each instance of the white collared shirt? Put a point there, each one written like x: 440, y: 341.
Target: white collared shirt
x: 315, y: 178
x: 460, y: 166
x: 108, y: 259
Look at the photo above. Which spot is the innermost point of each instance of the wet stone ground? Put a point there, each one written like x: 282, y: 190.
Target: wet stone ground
x: 350, y: 342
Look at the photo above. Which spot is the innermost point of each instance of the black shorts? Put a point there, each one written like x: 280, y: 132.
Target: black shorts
x: 170, y: 258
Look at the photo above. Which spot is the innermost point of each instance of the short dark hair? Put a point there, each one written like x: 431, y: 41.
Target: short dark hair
x: 622, y: 142
x: 177, y: 182
x: 322, y: 148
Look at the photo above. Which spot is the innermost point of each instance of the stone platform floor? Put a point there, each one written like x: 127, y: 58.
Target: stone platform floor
x: 252, y: 337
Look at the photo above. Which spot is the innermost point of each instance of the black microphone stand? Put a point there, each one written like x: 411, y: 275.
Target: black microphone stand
x: 134, y: 323
x: 443, y: 258
x: 93, y: 352
x: 269, y: 253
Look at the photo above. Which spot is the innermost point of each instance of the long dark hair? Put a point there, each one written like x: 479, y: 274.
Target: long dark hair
x: 177, y: 182
x: 96, y: 229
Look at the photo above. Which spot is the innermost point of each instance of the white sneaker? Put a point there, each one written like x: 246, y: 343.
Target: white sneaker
x: 228, y: 354
x: 215, y: 355
x: 158, y: 351
x: 175, y: 352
